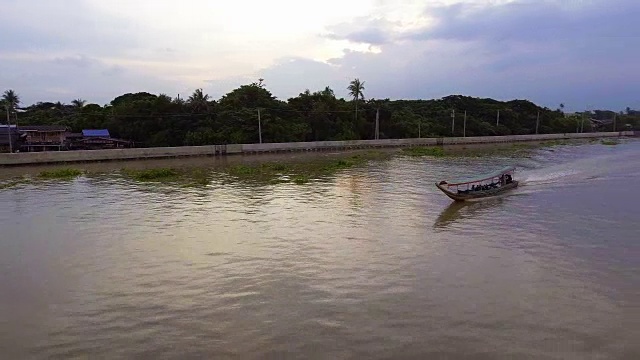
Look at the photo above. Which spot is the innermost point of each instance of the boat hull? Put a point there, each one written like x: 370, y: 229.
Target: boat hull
x: 477, y: 194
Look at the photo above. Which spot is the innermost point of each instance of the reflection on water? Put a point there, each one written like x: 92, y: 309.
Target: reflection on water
x: 458, y: 211
x: 374, y: 262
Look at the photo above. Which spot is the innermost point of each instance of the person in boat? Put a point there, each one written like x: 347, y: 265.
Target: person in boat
x: 508, y: 179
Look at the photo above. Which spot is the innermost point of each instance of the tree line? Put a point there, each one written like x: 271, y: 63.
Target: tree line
x: 251, y: 113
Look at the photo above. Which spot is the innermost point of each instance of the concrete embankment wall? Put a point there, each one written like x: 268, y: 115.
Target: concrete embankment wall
x: 235, y: 149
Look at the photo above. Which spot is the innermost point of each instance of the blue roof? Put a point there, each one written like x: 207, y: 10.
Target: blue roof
x: 96, y: 133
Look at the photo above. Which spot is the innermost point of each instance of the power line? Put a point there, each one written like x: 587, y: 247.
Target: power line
x: 275, y: 110
x: 114, y: 114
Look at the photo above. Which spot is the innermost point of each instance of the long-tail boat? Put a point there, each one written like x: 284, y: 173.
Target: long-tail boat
x: 481, y: 186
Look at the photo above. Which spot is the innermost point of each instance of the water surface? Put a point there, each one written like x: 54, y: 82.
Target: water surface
x: 372, y: 263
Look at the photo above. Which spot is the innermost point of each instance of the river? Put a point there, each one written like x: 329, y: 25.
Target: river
x: 372, y: 263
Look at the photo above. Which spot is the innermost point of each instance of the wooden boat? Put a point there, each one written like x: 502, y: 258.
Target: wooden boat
x: 482, y: 186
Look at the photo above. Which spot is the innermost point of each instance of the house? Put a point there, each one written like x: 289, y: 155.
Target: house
x: 600, y: 123
x: 44, y: 137
x: 10, y: 139
x: 91, y: 139
x: 73, y: 137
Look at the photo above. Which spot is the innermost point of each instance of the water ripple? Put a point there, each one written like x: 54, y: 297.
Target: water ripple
x: 372, y: 263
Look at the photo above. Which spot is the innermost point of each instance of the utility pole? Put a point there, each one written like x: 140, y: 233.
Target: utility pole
x: 378, y: 124
x: 419, y: 135
x: 582, y: 124
x: 9, y: 129
x: 453, y: 121
x: 614, y: 122
x: 259, y: 127
x: 537, y: 122
x: 464, y: 127
x: 498, y: 118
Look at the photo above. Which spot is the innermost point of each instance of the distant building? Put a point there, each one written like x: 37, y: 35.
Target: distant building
x: 96, y: 133
x: 92, y: 139
x: 597, y: 124
x: 44, y: 137
x: 33, y: 138
x: 10, y: 138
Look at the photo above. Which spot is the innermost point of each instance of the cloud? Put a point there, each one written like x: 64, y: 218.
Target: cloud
x: 39, y: 26
x: 532, y: 21
x: 180, y: 45
x: 579, y: 53
x: 549, y: 51
x: 373, y: 31
x: 286, y: 78
x: 59, y: 52
x: 67, y: 78
x: 79, y: 61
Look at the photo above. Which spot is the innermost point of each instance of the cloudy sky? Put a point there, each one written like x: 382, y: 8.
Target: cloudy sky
x: 583, y: 53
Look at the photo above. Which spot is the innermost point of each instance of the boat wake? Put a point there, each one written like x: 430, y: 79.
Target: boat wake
x: 546, y: 176
x: 598, y: 168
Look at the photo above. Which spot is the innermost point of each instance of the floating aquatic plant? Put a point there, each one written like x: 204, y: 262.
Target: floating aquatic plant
x: 65, y: 173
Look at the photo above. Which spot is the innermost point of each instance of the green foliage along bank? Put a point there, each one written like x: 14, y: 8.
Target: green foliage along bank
x: 296, y: 172
x: 65, y: 173
x: 152, y: 120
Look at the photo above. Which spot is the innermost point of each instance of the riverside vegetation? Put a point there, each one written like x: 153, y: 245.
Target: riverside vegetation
x: 296, y: 172
x: 160, y: 120
x: 55, y: 174
x: 65, y: 173
x: 301, y: 172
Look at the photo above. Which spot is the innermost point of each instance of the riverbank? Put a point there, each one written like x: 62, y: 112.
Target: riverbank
x: 223, y: 151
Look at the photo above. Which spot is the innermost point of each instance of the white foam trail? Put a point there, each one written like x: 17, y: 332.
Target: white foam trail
x: 543, y: 176
x: 586, y: 169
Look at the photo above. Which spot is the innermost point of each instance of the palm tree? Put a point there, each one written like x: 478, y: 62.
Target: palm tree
x: 355, y: 89
x: 78, y: 103
x: 11, y: 99
x: 198, y: 100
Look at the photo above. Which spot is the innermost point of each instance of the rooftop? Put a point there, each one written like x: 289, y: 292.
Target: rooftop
x: 44, y: 128
x: 96, y: 133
